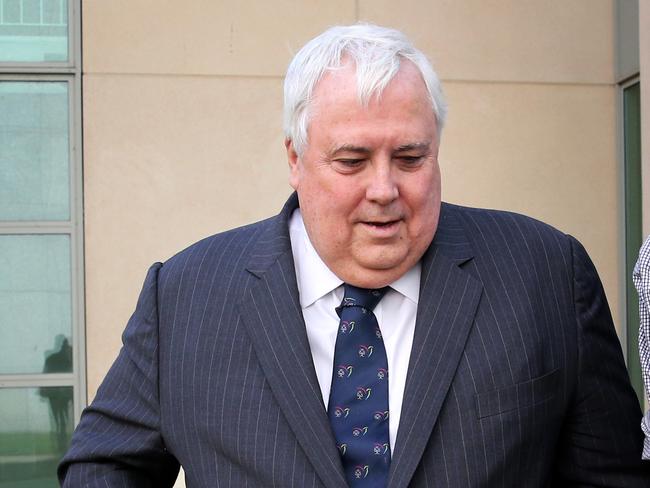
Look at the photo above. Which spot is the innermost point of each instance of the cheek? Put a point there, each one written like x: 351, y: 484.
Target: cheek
x: 424, y: 206
x: 337, y: 200
x: 328, y: 211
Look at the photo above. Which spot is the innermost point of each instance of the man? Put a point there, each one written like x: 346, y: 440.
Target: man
x: 259, y: 357
x: 641, y: 278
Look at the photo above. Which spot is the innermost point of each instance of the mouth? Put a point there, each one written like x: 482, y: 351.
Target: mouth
x: 382, y: 228
x: 381, y: 225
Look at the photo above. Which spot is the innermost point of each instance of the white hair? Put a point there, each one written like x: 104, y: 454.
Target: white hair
x: 376, y: 52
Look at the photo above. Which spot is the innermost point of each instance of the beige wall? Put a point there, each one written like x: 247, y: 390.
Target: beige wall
x: 182, y: 114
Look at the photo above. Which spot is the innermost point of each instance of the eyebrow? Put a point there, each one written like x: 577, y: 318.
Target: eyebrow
x: 349, y: 148
x: 415, y: 146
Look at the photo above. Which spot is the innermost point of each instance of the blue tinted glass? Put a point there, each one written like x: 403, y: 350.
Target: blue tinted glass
x: 33, y: 31
x: 34, y: 151
x: 35, y: 304
x: 35, y: 429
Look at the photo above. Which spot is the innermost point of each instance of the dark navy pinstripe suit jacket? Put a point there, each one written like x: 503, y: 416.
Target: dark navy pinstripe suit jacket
x: 516, y: 375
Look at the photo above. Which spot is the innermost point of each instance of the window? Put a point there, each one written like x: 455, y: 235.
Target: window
x: 633, y: 222
x: 42, y: 383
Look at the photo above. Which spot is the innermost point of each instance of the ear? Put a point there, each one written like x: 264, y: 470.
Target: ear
x: 294, y: 161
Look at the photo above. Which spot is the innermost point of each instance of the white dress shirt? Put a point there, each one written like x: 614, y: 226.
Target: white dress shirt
x: 321, y: 291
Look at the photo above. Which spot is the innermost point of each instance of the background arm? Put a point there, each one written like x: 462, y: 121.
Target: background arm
x: 641, y: 277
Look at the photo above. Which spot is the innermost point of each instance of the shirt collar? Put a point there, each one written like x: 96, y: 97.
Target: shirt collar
x: 316, y: 280
x: 409, y: 283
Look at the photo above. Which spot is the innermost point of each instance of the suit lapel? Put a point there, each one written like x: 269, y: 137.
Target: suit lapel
x: 271, y: 311
x: 448, y: 300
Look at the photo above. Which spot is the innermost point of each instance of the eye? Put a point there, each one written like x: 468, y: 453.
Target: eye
x: 349, y: 162
x: 410, y: 161
x: 347, y: 165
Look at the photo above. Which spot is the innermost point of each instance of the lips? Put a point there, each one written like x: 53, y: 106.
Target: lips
x: 382, y: 229
x: 381, y: 224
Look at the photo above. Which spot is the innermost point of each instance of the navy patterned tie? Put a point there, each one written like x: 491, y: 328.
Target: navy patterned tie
x: 358, y: 403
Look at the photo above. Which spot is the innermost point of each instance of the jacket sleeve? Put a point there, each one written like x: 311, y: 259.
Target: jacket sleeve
x: 601, y: 441
x: 118, y: 440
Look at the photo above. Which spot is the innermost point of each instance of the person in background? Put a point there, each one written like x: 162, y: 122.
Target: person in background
x: 641, y: 278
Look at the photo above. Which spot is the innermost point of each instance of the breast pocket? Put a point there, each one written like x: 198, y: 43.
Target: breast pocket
x: 526, y: 394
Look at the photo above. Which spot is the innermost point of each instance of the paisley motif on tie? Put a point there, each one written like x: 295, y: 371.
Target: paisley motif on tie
x: 358, y: 403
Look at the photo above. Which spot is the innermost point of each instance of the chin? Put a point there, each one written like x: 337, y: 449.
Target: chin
x: 373, y: 279
x: 377, y: 275
x: 383, y: 260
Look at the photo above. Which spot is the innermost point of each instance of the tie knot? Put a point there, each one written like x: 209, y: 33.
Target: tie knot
x: 361, y: 297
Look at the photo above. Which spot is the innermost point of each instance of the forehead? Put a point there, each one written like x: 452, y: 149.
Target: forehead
x: 402, y: 111
x: 341, y: 83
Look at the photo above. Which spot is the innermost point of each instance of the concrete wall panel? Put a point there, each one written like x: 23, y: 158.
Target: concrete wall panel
x: 234, y: 37
x: 507, y: 40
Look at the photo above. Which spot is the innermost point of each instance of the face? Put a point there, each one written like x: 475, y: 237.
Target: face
x: 368, y: 181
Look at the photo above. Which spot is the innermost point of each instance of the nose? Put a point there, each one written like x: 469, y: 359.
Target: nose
x: 382, y: 187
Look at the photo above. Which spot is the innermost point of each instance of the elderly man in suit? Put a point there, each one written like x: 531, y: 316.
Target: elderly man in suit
x: 368, y: 335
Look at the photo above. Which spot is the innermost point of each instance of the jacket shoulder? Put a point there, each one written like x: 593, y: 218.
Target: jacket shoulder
x: 480, y: 218
x: 504, y: 232
x: 223, y: 252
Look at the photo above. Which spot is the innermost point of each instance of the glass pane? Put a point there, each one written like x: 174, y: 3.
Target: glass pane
x: 33, y: 31
x: 34, y: 151
x: 35, y: 304
x: 633, y: 224
x: 35, y: 429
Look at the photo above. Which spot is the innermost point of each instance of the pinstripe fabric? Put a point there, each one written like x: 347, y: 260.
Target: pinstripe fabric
x: 516, y: 376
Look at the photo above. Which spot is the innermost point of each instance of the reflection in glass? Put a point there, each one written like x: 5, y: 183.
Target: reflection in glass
x: 633, y: 223
x: 34, y: 151
x: 33, y: 30
x: 35, y: 430
x: 35, y: 304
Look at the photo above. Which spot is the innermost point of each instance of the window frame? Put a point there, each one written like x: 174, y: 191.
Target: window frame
x: 69, y: 71
x: 629, y: 333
